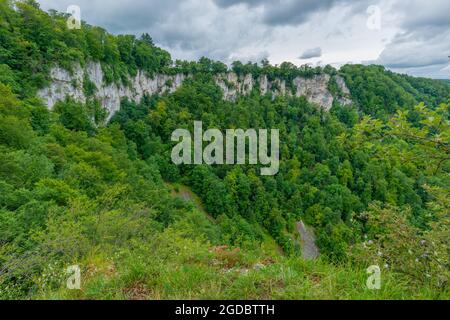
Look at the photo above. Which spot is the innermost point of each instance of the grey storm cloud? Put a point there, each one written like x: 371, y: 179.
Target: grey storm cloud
x: 293, y: 12
x: 290, y: 12
x: 197, y: 24
x: 249, y: 29
x: 424, y: 43
x: 119, y: 16
x: 424, y: 14
x: 192, y: 28
x: 229, y: 3
x: 311, y: 53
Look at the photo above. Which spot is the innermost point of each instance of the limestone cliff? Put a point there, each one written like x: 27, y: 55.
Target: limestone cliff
x: 65, y: 83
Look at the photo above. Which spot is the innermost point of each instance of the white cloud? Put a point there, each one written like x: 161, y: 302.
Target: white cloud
x: 414, y: 35
x: 422, y: 46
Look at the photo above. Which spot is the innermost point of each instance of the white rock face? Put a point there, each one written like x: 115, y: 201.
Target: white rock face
x: 232, y: 85
x: 315, y: 89
x: 263, y: 84
x: 345, y: 99
x: 69, y: 84
x: 65, y: 83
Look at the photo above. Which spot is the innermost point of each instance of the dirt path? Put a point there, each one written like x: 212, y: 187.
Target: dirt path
x: 310, y: 250
x: 185, y: 193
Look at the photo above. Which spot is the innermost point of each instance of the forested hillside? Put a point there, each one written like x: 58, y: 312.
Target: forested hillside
x: 371, y: 178
x: 379, y: 92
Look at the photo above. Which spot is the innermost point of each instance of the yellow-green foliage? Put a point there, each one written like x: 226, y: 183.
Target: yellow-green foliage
x: 109, y: 200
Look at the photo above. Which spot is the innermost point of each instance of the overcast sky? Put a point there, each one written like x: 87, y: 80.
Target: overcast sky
x: 409, y: 36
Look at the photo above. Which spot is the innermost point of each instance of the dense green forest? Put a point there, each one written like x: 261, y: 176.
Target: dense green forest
x: 372, y: 179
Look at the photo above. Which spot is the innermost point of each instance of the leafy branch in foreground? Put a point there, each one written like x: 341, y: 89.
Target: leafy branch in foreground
x: 424, y: 143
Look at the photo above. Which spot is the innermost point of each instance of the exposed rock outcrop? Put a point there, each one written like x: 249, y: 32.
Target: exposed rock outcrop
x: 310, y: 251
x: 65, y: 83
x: 345, y: 99
x: 315, y: 89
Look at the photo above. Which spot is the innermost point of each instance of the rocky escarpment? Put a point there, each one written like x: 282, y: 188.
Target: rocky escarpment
x: 315, y: 89
x: 65, y: 83
x: 70, y: 84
